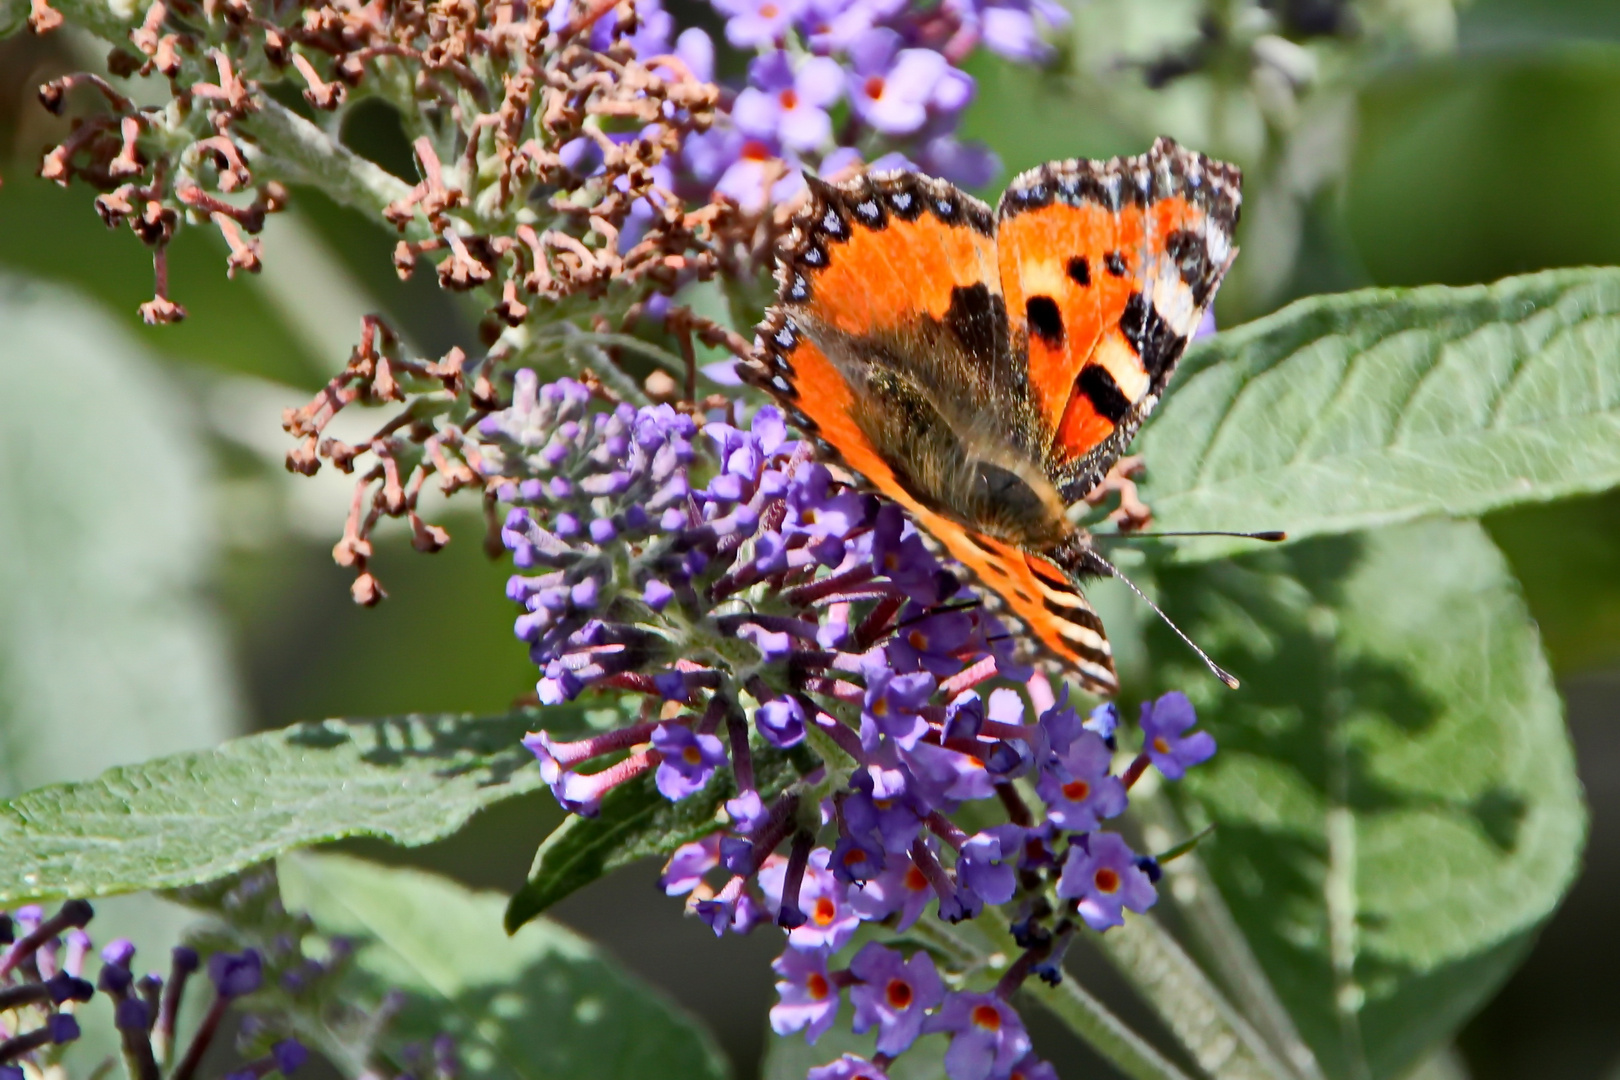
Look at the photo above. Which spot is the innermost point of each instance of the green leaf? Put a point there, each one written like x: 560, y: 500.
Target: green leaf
x: 1395, y: 800
x: 541, y: 1005
x: 1360, y: 409
x: 109, y: 652
x: 197, y: 816
x: 636, y: 822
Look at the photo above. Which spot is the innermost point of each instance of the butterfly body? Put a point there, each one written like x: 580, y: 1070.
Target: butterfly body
x: 985, y: 369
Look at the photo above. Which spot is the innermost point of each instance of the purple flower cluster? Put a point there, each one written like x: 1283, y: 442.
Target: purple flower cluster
x: 832, y: 84
x: 43, y: 980
x: 759, y: 605
x: 42, y: 983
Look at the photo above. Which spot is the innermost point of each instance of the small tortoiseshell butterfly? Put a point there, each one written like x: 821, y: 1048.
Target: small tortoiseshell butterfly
x: 986, y: 369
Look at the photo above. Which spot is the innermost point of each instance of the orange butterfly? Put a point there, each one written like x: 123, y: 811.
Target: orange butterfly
x: 986, y: 369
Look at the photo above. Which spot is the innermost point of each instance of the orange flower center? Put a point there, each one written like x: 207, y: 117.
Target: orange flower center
x: 899, y: 993
x: 753, y: 150
x: 1160, y: 744
x: 854, y: 857
x: 1076, y: 790
x: 918, y: 639
x: 880, y: 707
x: 825, y: 911
x: 986, y: 1017
x: 789, y: 99
x: 1107, y: 879
x: 692, y: 755
x: 916, y: 881
x: 818, y: 986
x: 874, y: 87
x: 769, y: 11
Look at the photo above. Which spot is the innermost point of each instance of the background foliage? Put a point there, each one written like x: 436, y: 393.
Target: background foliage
x: 1479, y: 148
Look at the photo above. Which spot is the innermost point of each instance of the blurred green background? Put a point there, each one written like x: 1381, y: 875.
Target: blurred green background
x: 1489, y: 147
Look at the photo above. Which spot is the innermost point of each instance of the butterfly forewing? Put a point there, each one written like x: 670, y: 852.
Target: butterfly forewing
x: 1107, y: 267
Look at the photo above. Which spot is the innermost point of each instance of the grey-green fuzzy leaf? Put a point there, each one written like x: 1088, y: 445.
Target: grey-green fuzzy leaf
x: 1347, y: 411
x: 544, y: 1004
x: 197, y: 816
x: 1395, y: 800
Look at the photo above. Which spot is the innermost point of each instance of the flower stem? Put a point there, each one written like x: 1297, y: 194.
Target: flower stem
x: 1215, y: 1034
x: 291, y: 148
x: 1215, y: 935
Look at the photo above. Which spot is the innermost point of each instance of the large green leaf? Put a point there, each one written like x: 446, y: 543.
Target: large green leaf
x: 109, y: 652
x: 1395, y: 801
x: 544, y: 1004
x: 1344, y: 412
x: 636, y: 822
x: 197, y: 816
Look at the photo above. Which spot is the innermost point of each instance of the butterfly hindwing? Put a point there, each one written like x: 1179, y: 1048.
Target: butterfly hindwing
x: 1107, y: 268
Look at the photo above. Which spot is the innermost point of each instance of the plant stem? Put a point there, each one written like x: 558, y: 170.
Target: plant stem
x: 1219, y: 940
x: 1219, y: 1039
x: 288, y: 147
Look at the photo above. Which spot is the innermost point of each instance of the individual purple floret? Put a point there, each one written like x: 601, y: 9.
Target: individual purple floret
x: 1077, y: 787
x: 687, y: 759
x: 236, y: 974
x: 809, y: 1000
x: 893, y: 995
x: 1164, y: 735
x: 848, y: 1067
x: 987, y: 1036
x: 1101, y: 872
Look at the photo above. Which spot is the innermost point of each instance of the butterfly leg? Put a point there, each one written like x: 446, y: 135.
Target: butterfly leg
x: 1132, y: 513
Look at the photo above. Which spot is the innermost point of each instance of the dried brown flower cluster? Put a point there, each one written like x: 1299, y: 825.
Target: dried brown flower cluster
x: 490, y: 95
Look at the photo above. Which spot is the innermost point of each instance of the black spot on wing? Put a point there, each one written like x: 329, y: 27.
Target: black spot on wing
x: 1079, y: 270
x: 1115, y: 262
x: 1106, y: 397
x: 1045, y: 321
x: 978, y: 318
x: 1158, y: 345
x: 1191, y: 255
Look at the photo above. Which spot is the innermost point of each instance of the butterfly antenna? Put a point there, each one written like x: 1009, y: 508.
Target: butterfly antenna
x: 1272, y: 536
x: 1220, y: 672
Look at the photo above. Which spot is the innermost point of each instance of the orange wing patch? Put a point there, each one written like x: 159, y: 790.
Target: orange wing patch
x: 1061, y: 293
x: 1107, y: 268
x: 875, y: 254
